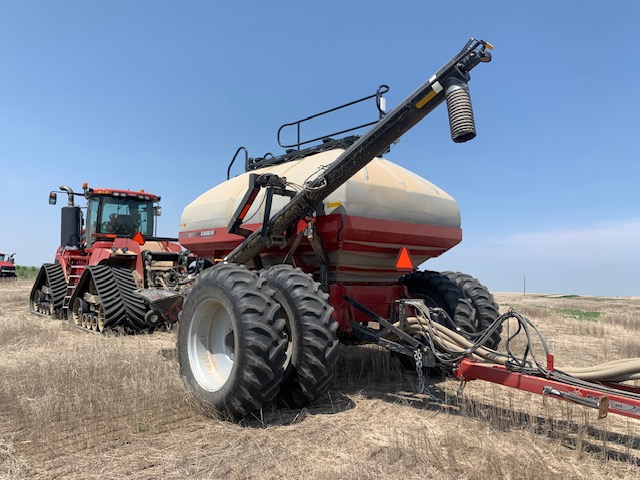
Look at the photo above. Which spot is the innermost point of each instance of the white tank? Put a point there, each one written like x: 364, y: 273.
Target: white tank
x: 384, y: 191
x: 381, y: 190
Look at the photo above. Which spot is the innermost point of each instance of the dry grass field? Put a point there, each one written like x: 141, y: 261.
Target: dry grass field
x: 74, y: 405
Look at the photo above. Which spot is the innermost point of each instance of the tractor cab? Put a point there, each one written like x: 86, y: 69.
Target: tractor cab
x: 110, y: 213
x: 113, y: 213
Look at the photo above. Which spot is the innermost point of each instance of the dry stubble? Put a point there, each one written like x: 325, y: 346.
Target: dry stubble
x: 75, y: 405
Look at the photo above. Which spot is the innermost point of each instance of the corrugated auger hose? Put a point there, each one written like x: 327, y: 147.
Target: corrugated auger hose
x: 461, y: 120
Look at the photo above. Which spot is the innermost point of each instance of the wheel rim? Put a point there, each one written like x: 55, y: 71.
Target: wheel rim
x: 37, y: 305
x: 100, y: 318
x: 211, y: 345
x: 39, y: 301
x: 287, y: 335
x: 76, y: 313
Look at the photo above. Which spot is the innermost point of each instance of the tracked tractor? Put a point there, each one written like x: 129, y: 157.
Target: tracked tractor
x: 321, y: 245
x: 105, y: 256
x: 7, y: 267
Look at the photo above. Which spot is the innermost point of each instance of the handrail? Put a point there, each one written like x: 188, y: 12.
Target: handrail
x: 246, y: 159
x: 382, y: 89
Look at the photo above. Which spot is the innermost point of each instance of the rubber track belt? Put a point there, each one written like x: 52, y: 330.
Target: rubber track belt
x: 114, y: 289
x: 134, y: 306
x: 51, y: 274
x: 105, y: 285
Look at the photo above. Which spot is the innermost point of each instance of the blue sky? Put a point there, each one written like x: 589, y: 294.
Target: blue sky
x: 159, y: 94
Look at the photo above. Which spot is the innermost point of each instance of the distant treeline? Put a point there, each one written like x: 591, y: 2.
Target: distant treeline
x: 26, y: 273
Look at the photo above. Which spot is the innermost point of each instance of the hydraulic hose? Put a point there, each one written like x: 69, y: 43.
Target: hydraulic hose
x: 452, y: 344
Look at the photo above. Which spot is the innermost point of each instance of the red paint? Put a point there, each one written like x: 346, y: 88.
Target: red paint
x: 343, y: 234
x: 339, y: 233
x: 618, y: 403
x: 101, y: 252
x: 378, y: 298
x: 126, y: 193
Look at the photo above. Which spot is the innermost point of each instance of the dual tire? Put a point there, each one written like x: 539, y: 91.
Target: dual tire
x: 467, y: 302
x: 484, y: 308
x: 311, y: 332
x: 243, y: 338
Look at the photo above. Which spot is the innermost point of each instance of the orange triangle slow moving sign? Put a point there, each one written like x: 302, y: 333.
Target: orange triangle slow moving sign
x: 404, y: 261
x: 138, y: 238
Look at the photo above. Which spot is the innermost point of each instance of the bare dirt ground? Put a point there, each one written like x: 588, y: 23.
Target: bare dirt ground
x: 75, y: 405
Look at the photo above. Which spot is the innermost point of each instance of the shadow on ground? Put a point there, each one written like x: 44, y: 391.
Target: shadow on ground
x: 372, y: 373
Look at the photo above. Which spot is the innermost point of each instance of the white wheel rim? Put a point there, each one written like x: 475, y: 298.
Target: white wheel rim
x: 211, y: 345
x: 287, y: 336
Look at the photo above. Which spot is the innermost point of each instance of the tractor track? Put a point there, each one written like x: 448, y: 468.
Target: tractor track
x: 51, y: 276
x: 121, y: 306
x: 135, y: 308
x: 57, y: 284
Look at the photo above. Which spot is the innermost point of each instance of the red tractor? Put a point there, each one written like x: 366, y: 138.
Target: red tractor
x: 99, y: 266
x: 7, y: 267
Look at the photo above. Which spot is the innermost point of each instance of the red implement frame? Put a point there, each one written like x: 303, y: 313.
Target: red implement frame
x: 591, y: 396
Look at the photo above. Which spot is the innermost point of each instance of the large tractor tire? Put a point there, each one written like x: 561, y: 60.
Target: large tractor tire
x: 312, y: 343
x: 435, y: 289
x: 486, y: 309
x: 231, y: 345
x: 468, y: 303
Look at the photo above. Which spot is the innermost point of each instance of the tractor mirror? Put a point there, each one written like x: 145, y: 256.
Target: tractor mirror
x: 53, y: 198
x: 157, y: 210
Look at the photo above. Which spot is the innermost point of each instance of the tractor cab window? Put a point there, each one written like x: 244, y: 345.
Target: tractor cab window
x: 119, y: 215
